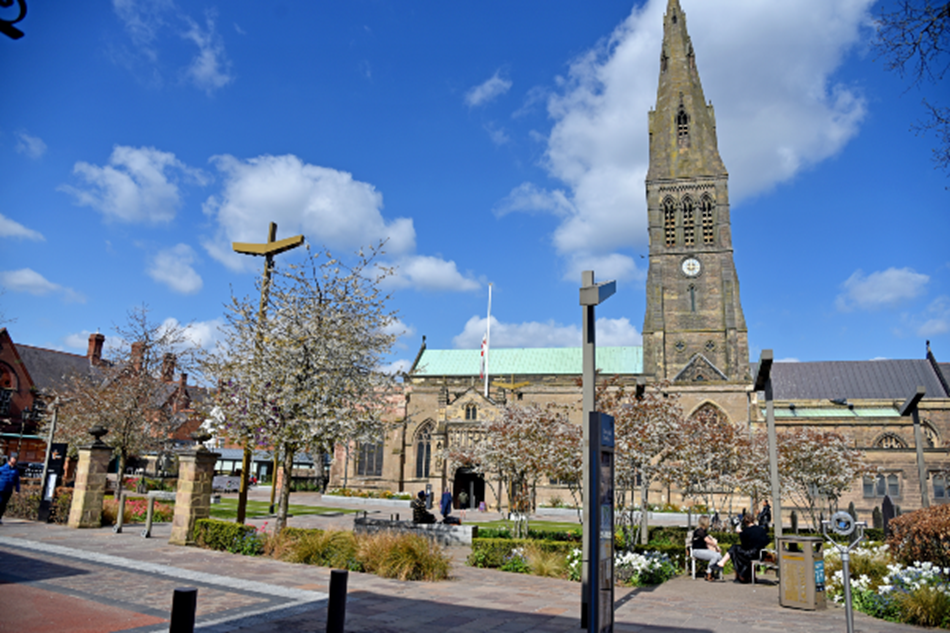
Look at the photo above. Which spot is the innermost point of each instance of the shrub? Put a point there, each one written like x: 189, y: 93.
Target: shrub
x: 923, y: 535
x: 492, y: 552
x: 549, y: 564
x: 330, y: 548
x: 403, y: 556
x: 516, y: 562
x: 26, y: 504
x: 231, y: 537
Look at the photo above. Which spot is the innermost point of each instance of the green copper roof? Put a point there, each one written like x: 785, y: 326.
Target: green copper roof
x: 525, y: 361
x: 838, y: 412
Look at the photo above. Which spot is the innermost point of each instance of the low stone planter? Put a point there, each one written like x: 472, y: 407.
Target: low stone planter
x: 439, y: 532
x: 362, y: 501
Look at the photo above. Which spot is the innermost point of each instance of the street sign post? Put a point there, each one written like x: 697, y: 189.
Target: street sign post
x: 600, y: 565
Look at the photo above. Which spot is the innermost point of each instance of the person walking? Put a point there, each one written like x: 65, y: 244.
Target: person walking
x: 9, y: 479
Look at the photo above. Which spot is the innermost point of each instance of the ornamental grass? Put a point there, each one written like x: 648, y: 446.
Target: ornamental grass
x: 402, y: 556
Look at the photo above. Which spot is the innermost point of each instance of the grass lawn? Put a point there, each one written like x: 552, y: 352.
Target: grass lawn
x: 227, y: 509
x: 547, y: 526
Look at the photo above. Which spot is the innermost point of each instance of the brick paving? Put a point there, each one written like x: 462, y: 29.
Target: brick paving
x: 94, y: 580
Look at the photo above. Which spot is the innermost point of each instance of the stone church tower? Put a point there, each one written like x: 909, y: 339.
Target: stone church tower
x: 693, y: 330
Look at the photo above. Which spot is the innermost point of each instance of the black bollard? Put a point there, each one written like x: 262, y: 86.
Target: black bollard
x: 336, y: 610
x: 184, y: 603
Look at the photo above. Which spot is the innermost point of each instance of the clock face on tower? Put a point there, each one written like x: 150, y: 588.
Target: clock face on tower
x: 691, y: 267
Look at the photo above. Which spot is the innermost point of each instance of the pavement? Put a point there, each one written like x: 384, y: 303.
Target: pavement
x: 60, y: 579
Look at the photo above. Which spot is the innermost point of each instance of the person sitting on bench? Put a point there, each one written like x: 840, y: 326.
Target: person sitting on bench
x: 752, y: 540
x: 419, y: 512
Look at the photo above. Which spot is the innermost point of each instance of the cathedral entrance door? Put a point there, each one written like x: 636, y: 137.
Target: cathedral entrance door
x: 470, y: 482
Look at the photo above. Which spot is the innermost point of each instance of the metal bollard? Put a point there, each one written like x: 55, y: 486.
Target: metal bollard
x: 184, y: 603
x: 336, y: 610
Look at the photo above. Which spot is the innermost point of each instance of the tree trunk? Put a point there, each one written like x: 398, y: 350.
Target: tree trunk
x: 644, y: 512
x: 287, y: 472
x: 120, y: 468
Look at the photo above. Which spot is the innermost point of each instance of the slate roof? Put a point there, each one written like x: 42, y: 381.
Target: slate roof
x: 50, y: 369
x: 526, y: 361
x: 237, y: 454
x: 873, y: 379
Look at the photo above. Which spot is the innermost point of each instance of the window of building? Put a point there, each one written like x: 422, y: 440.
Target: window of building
x: 370, y: 462
x: 471, y: 411
x: 669, y: 221
x: 682, y: 127
x: 689, y: 223
x: 931, y: 439
x: 882, y: 485
x: 6, y: 397
x: 423, y: 451
x: 890, y: 441
x: 706, y: 206
x: 940, y: 483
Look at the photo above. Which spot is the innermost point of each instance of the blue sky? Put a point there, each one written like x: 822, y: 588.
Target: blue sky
x: 489, y: 142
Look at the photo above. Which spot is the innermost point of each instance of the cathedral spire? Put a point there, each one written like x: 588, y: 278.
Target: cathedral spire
x: 682, y: 126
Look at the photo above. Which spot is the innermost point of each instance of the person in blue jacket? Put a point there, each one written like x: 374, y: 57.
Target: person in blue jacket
x: 445, y: 504
x: 9, y: 479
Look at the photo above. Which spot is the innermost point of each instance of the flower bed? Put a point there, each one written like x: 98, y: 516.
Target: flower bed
x: 918, y: 593
x: 368, y: 494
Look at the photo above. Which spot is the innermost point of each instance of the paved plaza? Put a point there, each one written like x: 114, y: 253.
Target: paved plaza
x: 56, y: 578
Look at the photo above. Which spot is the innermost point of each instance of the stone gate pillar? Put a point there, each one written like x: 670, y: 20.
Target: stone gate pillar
x: 193, y: 499
x: 90, y: 487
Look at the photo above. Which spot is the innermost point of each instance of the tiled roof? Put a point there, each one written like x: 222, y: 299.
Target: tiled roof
x: 527, y: 361
x: 874, y: 379
x: 51, y: 369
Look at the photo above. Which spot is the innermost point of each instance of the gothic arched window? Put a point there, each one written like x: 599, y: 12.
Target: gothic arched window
x: 370, y: 462
x: 706, y: 205
x: 423, y: 451
x: 471, y: 411
x: 931, y: 439
x: 682, y: 127
x: 689, y: 222
x: 669, y: 221
x: 890, y: 441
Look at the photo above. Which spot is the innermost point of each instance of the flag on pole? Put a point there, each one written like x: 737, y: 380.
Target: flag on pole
x: 481, y: 373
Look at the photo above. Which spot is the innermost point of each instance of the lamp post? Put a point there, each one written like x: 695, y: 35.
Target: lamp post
x: 910, y: 406
x: 591, y: 295
x: 763, y: 382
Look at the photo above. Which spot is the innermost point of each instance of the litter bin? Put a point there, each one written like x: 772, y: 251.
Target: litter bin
x: 801, y: 566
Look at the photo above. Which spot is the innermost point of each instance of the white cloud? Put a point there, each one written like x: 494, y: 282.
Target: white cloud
x: 768, y: 68
x: 11, y: 228
x: 529, y: 198
x: 937, y: 318
x: 396, y: 367
x: 611, y: 266
x: 143, y: 19
x: 887, y: 288
x: 29, y: 281
x: 498, y: 135
x: 138, y: 185
x: 492, y: 88
x: 32, y: 146
x: 429, y: 273
x: 610, y: 333
x: 328, y: 206
x: 204, y: 334
x: 173, y: 267
x: 210, y: 69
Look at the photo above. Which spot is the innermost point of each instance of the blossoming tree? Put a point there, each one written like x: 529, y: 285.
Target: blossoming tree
x: 307, y: 375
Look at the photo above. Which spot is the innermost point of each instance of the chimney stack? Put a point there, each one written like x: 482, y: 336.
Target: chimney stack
x: 168, y: 368
x: 94, y: 353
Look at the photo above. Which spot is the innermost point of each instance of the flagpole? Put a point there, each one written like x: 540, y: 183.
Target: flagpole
x: 487, y: 340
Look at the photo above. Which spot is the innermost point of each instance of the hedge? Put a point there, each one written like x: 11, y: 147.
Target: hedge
x: 228, y: 536
x: 26, y: 504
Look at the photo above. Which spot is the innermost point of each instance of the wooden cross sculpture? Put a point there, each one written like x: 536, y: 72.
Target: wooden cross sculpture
x: 269, y: 249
